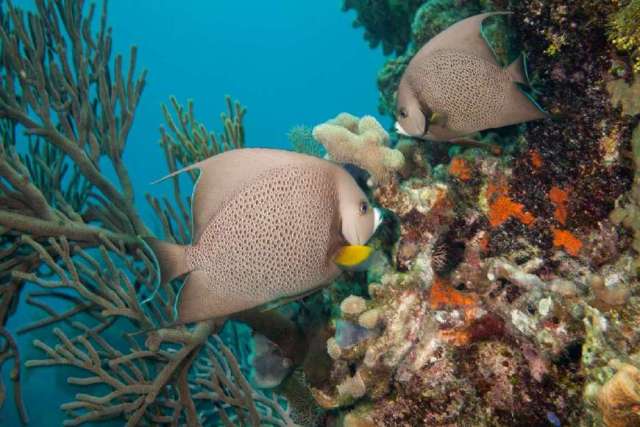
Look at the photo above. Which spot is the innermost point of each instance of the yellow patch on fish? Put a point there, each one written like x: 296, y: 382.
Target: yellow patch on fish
x: 352, y: 255
x: 437, y: 119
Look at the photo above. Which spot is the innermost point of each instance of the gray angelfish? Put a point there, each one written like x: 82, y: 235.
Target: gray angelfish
x: 267, y: 225
x: 454, y: 87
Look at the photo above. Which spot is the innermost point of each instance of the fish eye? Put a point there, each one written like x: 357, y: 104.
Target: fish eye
x: 364, y: 208
x: 403, y: 113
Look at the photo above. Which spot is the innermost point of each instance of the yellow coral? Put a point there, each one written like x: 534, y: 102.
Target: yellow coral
x: 361, y: 142
x: 619, y: 398
x: 624, y: 32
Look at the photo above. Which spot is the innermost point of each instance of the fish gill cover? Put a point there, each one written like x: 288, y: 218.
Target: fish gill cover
x: 504, y: 290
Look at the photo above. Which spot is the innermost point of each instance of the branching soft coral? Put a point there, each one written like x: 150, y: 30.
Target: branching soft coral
x: 186, y: 141
x: 71, y: 232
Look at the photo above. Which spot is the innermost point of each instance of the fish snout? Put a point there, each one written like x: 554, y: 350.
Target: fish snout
x: 400, y: 130
x: 377, y: 219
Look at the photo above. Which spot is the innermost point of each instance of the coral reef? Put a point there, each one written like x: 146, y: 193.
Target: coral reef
x: 619, y: 398
x: 362, y: 142
x: 384, y: 21
x: 513, y: 279
x: 302, y: 141
x: 624, y: 32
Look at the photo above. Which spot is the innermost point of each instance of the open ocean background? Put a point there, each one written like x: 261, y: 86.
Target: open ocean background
x: 290, y: 62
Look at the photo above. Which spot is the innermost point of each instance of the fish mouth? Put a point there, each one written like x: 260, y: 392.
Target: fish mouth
x: 377, y: 218
x: 401, y: 131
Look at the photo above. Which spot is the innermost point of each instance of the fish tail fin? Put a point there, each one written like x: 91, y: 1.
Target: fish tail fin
x: 521, y: 107
x: 517, y: 70
x: 191, y: 301
x: 171, y: 258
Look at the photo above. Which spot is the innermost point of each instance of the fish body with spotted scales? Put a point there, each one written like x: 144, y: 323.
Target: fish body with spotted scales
x: 454, y: 87
x: 267, y: 225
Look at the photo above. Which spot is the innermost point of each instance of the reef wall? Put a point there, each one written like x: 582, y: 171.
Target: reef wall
x: 510, y: 293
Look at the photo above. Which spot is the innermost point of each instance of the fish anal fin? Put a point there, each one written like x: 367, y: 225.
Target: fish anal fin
x: 195, y: 300
x: 517, y: 71
x: 204, y: 297
x: 464, y: 36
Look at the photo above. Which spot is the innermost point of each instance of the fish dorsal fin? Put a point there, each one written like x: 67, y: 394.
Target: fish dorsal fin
x: 224, y: 175
x: 463, y: 36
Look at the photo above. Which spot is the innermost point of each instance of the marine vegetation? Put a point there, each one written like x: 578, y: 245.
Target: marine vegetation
x: 504, y: 286
x: 69, y: 228
x: 624, y: 32
x: 302, y: 141
x: 379, y: 17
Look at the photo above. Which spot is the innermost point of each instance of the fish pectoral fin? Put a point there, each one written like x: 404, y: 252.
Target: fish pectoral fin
x: 352, y: 255
x: 194, y: 300
x: 439, y: 119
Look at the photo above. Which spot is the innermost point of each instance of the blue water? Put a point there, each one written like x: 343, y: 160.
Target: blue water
x: 290, y: 62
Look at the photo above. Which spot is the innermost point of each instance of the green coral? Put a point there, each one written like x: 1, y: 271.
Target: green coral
x: 301, y: 138
x: 388, y: 80
x: 624, y: 31
x: 386, y: 22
